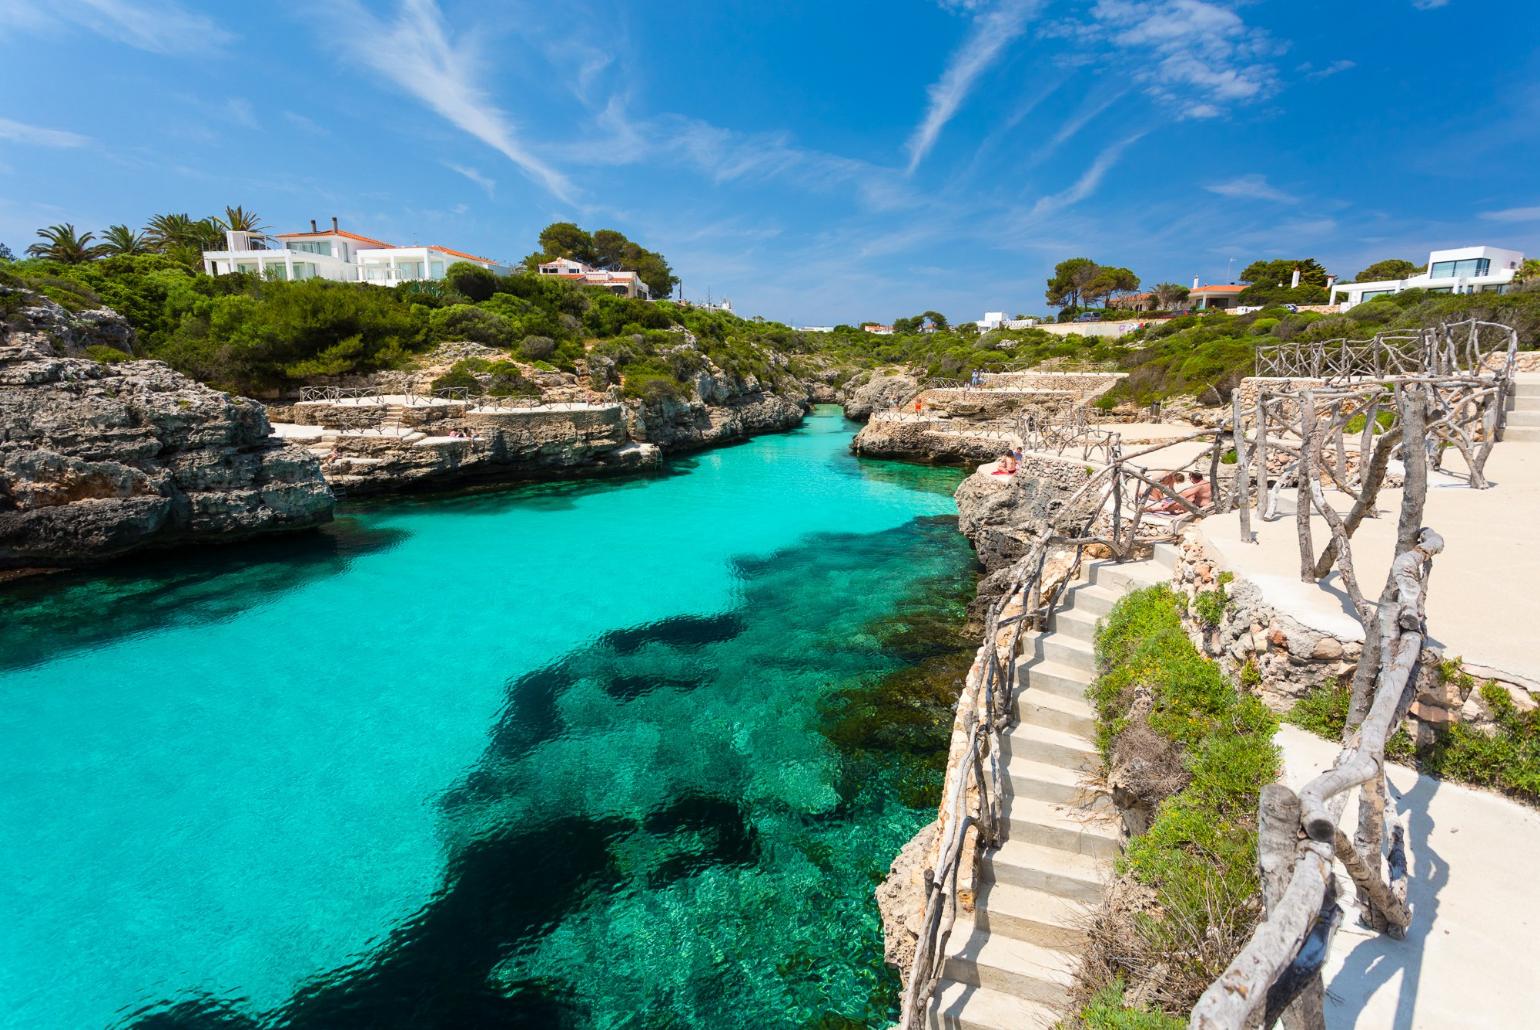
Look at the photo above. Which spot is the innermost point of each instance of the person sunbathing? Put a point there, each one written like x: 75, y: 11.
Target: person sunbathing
x: 1006, y: 466
x: 1200, y: 495
x: 1165, y: 491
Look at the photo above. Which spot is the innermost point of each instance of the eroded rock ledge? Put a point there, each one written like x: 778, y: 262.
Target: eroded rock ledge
x: 98, y: 461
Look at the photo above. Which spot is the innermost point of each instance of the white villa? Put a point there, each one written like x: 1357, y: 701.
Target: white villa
x: 623, y: 284
x: 334, y: 254
x: 1462, y: 270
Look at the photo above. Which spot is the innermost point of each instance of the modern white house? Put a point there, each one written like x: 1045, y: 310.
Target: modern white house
x: 1461, y: 270
x: 623, y: 284
x: 335, y: 254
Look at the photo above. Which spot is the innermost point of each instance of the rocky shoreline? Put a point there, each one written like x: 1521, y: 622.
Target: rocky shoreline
x: 98, y: 461
x: 102, y: 460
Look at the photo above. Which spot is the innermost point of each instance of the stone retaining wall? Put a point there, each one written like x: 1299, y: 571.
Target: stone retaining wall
x: 1282, y: 660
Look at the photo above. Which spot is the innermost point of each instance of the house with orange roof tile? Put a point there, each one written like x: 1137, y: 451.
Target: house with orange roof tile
x: 337, y: 254
x: 618, y: 282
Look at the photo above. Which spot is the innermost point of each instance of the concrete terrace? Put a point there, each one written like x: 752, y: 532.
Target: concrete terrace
x: 1482, y: 605
x: 1465, y: 961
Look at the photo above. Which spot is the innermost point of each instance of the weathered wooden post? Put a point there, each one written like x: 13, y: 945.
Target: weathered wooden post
x: 1242, y: 468
x: 1306, y: 470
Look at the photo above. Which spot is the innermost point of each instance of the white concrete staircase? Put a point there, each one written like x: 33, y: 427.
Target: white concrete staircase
x: 1011, y: 967
x: 1524, y: 410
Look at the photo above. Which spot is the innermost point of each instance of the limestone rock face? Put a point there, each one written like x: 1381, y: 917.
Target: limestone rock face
x: 723, y: 408
x: 100, y: 460
x: 880, y: 392
x: 540, y: 445
x: 901, y: 900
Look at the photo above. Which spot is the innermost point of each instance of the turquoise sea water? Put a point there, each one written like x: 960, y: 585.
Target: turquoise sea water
x: 564, y: 755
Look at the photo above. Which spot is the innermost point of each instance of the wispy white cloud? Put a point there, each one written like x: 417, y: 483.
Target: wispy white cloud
x: 304, y: 124
x: 1310, y: 71
x: 414, y: 51
x: 1092, y: 108
x: 158, y: 26
x: 1513, y: 214
x: 38, y: 136
x: 1194, y: 55
x: 1251, y: 187
x: 240, y: 111
x: 473, y: 175
x: 1429, y: 5
x: 1091, y: 178
x: 994, y: 28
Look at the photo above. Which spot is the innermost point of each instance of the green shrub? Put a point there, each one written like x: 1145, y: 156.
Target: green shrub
x: 1199, y: 855
x: 1108, y: 1010
x: 537, y: 348
x: 468, y: 322
x: 107, y: 355
x: 471, y: 281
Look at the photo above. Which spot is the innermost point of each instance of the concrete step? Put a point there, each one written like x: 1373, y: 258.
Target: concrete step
x: 959, y: 1006
x: 1065, y: 650
x: 1064, y: 874
x: 1521, y: 434
x: 1127, y: 575
x: 1093, y: 600
x: 1055, y: 747
x: 1168, y: 556
x: 999, y: 963
x: 1033, y: 916
x: 1045, y: 781
x: 1052, y: 677
x: 1077, y: 828
x: 1075, y: 623
x: 1056, y: 711
x: 1528, y: 418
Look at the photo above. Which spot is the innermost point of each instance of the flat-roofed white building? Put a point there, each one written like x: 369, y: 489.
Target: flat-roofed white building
x: 622, y: 284
x: 1460, y: 270
x: 335, y: 254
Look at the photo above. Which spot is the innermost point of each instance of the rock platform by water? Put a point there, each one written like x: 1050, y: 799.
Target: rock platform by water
x: 98, y: 461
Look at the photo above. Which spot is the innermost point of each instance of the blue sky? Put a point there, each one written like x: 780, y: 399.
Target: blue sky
x: 815, y: 162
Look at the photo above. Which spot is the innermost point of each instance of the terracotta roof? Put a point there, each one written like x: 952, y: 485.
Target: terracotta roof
x: 335, y: 232
x: 1217, y: 289
x: 461, y: 254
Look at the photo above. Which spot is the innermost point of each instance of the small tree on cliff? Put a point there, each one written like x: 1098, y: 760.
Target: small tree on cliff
x: 1070, y: 278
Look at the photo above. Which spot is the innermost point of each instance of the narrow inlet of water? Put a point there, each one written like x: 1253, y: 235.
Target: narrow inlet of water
x: 585, y: 754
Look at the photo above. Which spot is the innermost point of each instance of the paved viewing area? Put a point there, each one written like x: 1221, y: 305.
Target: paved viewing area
x: 1481, y: 603
x: 1471, y: 863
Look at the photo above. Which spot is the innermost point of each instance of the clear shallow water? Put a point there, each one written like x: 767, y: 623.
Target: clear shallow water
x: 600, y: 754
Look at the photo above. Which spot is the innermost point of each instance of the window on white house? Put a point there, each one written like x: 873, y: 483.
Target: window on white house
x: 1467, y: 267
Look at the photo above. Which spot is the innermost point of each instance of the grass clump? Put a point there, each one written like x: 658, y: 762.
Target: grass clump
x: 1167, y: 715
x: 1109, y: 1010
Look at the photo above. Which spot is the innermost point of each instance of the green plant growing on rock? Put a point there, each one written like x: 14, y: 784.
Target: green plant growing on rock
x: 1210, y: 605
x: 1156, y: 692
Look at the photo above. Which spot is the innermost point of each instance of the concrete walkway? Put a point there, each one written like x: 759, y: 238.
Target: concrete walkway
x: 1482, y: 601
x: 1468, y: 959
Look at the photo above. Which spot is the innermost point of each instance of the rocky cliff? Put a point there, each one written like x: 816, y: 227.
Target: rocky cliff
x: 882, y: 391
x: 100, y: 460
x: 722, y: 408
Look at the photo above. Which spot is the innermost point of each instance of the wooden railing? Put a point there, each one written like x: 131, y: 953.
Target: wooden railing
x: 1074, y: 434
x: 1110, y: 509
x: 1455, y: 396
x: 1441, y: 350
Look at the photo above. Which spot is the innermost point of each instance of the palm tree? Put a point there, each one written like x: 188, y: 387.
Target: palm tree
x: 171, y: 230
x: 1169, y: 295
x: 63, y: 243
x: 121, y: 240
x: 238, y: 219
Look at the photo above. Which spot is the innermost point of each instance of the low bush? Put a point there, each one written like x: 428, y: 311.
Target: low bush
x: 1506, y: 759
x: 1158, y: 694
x: 537, y: 348
x: 107, y: 355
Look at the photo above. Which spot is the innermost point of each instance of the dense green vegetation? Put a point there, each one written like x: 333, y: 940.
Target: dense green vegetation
x: 1109, y: 1010
x: 261, y: 337
x: 1205, y: 750
x: 257, y: 336
x: 1507, y: 760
